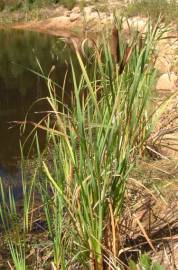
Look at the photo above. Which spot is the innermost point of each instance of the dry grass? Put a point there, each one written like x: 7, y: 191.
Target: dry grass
x: 150, y: 223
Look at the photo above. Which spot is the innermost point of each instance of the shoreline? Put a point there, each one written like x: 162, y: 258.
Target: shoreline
x: 76, y: 23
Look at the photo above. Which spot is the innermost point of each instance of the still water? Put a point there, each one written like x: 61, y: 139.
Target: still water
x: 20, y: 54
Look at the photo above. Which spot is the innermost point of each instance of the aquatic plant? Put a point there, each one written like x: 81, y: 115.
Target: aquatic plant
x: 93, y: 146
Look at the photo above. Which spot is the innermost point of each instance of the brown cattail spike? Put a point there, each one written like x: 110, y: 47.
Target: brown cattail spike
x: 115, y: 50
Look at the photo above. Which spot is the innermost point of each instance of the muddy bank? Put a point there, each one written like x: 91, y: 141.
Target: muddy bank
x: 60, y: 21
x: 55, y: 26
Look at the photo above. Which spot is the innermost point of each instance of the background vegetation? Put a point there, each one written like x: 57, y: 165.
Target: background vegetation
x: 154, y: 8
x: 29, y: 4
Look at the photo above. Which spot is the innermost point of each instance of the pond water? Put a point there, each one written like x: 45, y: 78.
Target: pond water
x: 20, y: 52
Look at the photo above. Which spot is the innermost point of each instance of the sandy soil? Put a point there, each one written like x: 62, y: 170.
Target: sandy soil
x: 58, y: 26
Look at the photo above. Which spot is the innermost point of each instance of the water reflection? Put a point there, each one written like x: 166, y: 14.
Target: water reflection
x: 20, y: 52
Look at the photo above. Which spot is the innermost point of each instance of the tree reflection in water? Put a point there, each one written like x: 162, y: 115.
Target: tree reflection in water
x: 19, y: 87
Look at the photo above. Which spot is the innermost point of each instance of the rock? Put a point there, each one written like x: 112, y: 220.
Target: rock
x: 93, y: 15
x: 76, y: 10
x: 167, y: 81
x: 74, y: 17
x: 135, y: 23
x: 67, y: 13
x: 163, y: 64
x: 166, y: 52
x: 88, y: 10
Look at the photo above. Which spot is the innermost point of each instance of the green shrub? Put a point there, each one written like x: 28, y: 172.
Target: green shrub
x: 145, y: 263
x: 67, y: 3
x: 154, y: 8
x: 2, y: 5
x: 29, y: 4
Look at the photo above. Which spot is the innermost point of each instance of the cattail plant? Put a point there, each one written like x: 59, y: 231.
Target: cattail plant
x: 93, y: 146
x: 96, y: 144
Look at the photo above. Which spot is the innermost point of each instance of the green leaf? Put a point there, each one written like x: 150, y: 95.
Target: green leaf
x: 132, y: 265
x: 157, y: 266
x: 145, y: 262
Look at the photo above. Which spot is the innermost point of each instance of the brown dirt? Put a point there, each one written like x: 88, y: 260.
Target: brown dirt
x: 55, y: 26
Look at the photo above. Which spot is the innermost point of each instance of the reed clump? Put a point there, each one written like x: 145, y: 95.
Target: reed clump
x: 95, y: 143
